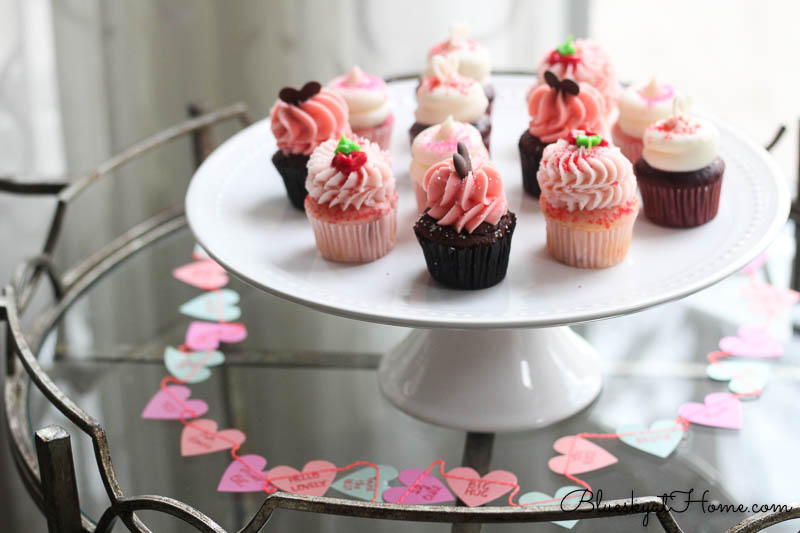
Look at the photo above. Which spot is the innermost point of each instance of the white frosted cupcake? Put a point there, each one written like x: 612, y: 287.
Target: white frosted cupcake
x: 368, y: 101
x: 438, y: 143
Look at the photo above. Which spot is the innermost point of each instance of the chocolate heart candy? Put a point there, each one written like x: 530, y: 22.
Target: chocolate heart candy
x: 566, y: 85
x: 462, y: 161
x: 292, y: 96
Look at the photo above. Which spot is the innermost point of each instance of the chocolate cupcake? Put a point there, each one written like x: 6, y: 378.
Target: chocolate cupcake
x: 291, y: 118
x: 465, y: 232
x: 680, y: 172
x: 448, y: 93
x: 556, y: 109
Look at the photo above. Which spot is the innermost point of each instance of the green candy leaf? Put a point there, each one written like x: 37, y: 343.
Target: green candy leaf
x: 566, y: 48
x: 588, y: 141
x: 346, y: 146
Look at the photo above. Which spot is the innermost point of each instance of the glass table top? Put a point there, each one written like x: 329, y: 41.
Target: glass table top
x: 302, y: 386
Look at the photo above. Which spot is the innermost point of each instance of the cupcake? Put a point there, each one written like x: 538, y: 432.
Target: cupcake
x: 465, y: 232
x: 474, y: 59
x: 680, y: 173
x: 351, y: 202
x: 588, y: 200
x: 585, y: 62
x: 300, y: 121
x: 639, y: 106
x: 448, y: 93
x: 556, y: 109
x: 367, y: 98
x: 438, y: 143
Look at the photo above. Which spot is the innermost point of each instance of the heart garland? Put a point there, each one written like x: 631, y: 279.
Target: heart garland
x: 217, y: 307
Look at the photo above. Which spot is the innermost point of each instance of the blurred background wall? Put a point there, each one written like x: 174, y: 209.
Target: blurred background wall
x: 82, y: 79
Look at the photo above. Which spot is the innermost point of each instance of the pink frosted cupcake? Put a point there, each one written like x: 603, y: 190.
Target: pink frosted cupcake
x: 474, y: 59
x: 588, y: 200
x: 556, y: 109
x: 448, y: 93
x: 351, y: 202
x: 300, y: 121
x: 368, y: 101
x: 438, y: 143
x: 639, y: 106
x: 585, y: 62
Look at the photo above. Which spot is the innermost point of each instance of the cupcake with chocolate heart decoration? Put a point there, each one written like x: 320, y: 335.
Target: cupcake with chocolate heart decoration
x: 589, y: 201
x: 368, y: 101
x: 639, y: 106
x: 585, y: 62
x: 474, y: 59
x: 556, y: 109
x: 465, y: 232
x: 351, y: 202
x: 448, y: 93
x: 680, y: 172
x: 438, y: 143
x: 301, y: 120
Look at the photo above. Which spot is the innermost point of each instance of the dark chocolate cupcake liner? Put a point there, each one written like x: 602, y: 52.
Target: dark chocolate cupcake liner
x: 530, y: 165
x: 292, y: 169
x: 475, y: 267
x: 680, y: 207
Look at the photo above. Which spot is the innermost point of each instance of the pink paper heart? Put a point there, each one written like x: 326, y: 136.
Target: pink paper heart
x: 752, y: 341
x: 584, y: 456
x: 768, y: 299
x: 201, y: 436
x: 720, y: 409
x: 201, y: 336
x: 165, y: 405
x: 206, y: 275
x: 755, y: 264
x: 314, y: 480
x: 476, y: 490
x: 239, y: 478
x: 428, y: 490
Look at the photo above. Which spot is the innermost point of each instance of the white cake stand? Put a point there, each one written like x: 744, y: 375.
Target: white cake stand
x: 502, y: 358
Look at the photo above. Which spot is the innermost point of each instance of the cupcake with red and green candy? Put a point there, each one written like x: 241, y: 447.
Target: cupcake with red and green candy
x: 466, y: 229
x: 639, y: 106
x: 584, y: 61
x: 351, y: 202
x: 680, y: 172
x: 589, y: 201
x: 556, y: 109
x: 368, y: 101
x: 474, y: 59
x: 439, y: 143
x: 448, y: 93
x: 301, y: 120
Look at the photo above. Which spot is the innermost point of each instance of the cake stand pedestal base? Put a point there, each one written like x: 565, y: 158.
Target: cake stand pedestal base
x: 492, y: 380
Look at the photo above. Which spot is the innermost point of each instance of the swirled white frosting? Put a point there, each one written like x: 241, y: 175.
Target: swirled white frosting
x: 641, y: 105
x: 447, y: 92
x: 474, y: 59
x: 577, y: 178
x: 366, y: 95
x: 680, y: 144
x: 439, y: 142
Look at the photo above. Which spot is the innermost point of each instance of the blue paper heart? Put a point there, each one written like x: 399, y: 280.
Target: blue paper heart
x: 191, y: 367
x: 744, y: 377
x: 361, y: 483
x: 660, y: 439
x: 547, y: 500
x: 214, y: 306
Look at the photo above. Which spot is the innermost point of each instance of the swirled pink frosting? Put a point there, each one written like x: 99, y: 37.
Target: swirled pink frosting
x: 589, y: 64
x: 300, y: 129
x: 577, y: 178
x: 464, y: 203
x: 369, y: 186
x: 554, y: 114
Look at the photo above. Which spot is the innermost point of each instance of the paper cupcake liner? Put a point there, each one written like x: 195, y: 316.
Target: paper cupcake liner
x: 355, y: 242
x: 630, y: 147
x: 422, y: 197
x: 380, y: 134
x: 293, y: 170
x: 680, y: 207
x: 600, y: 248
x: 476, y: 267
x: 530, y: 168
